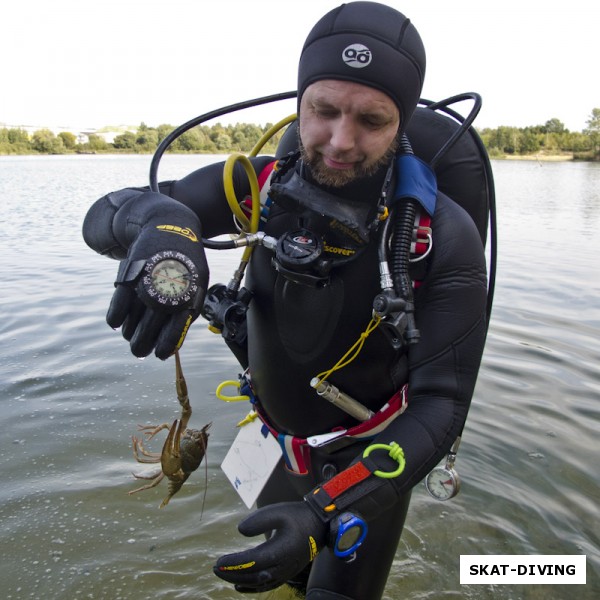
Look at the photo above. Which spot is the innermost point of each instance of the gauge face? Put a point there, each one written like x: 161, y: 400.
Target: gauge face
x: 349, y: 538
x: 170, y: 281
x: 442, y: 483
x: 170, y: 278
x: 348, y: 532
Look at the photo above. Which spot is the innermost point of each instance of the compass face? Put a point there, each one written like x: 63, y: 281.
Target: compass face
x: 442, y: 483
x: 170, y: 281
x: 170, y: 278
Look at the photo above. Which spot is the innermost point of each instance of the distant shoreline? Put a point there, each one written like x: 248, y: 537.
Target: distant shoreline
x: 539, y: 157
x: 566, y: 157
x: 562, y: 157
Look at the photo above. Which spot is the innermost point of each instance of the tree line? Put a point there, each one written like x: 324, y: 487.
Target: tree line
x: 552, y: 138
x: 215, y: 139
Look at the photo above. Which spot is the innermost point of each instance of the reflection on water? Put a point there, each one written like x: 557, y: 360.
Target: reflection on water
x: 72, y: 396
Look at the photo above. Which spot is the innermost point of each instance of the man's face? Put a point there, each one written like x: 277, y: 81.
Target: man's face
x: 347, y: 130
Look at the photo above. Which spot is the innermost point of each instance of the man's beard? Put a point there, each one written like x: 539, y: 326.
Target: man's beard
x: 327, y: 176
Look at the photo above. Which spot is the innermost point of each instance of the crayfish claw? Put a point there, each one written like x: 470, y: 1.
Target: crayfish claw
x: 170, y: 457
x: 182, y: 392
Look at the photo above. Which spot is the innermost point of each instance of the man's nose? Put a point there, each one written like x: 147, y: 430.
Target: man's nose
x: 343, y: 135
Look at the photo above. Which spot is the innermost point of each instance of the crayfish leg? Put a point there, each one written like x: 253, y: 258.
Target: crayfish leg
x: 148, y: 486
x: 141, y: 454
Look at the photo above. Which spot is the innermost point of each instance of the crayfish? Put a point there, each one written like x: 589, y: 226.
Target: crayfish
x: 182, y: 451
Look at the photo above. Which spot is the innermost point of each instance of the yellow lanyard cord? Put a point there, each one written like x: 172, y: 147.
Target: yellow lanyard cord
x: 352, y: 353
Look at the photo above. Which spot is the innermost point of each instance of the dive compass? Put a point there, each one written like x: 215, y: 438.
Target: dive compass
x: 443, y: 483
x: 169, y: 279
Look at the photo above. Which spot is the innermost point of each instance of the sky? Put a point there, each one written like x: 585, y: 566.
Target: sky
x: 90, y: 63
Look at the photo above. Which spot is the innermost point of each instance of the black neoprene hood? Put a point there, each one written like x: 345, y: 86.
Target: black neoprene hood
x: 367, y: 43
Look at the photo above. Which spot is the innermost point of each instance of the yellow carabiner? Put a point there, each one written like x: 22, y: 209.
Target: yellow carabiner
x: 395, y: 452
x: 230, y: 383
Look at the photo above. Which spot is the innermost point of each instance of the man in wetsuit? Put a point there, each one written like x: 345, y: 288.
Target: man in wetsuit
x: 360, y: 77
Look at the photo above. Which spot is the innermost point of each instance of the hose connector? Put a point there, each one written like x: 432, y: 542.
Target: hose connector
x: 255, y: 239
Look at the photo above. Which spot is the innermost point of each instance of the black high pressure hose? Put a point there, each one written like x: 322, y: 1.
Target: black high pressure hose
x: 177, y: 132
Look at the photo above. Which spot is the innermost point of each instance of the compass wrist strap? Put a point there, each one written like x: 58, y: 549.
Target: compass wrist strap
x: 362, y: 487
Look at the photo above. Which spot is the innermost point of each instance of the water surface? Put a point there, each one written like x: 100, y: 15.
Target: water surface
x: 72, y: 396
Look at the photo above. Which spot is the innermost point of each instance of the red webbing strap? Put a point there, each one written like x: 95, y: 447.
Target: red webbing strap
x: 346, y: 479
x: 421, y: 233
x: 421, y: 240
x: 323, y: 498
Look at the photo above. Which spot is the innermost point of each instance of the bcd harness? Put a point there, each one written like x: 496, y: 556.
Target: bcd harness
x: 296, y: 450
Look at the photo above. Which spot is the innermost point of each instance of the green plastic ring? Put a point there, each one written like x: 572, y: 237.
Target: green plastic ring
x: 395, y: 452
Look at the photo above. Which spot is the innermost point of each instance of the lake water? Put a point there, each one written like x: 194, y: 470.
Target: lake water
x: 72, y: 396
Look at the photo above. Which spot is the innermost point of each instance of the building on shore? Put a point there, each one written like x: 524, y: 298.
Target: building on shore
x: 82, y: 135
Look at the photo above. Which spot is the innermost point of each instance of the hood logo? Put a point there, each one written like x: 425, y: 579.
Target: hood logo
x: 357, y: 56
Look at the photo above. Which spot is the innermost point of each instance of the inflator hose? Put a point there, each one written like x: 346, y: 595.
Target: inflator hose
x: 400, y: 260
x: 400, y: 250
x: 403, y: 225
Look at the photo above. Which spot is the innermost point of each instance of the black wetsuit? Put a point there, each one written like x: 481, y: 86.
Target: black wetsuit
x: 296, y: 331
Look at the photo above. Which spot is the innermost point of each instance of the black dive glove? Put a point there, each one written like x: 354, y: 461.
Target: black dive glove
x: 329, y: 515
x: 161, y: 285
x: 298, y: 535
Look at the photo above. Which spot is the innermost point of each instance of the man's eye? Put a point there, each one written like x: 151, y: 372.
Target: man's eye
x: 326, y: 113
x: 374, y: 123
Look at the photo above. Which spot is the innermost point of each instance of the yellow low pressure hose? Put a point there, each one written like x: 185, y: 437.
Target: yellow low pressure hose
x: 270, y: 133
x: 248, y: 225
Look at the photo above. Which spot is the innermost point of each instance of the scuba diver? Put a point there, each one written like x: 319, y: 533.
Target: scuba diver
x: 363, y: 317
